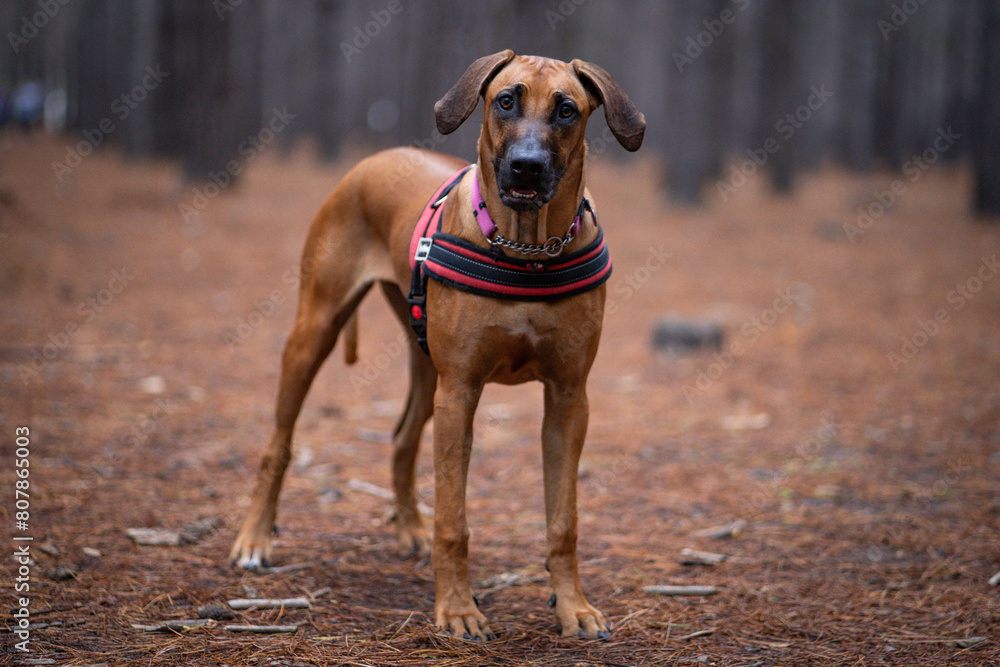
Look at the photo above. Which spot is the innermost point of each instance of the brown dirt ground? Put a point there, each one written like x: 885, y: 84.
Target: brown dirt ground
x: 870, y: 494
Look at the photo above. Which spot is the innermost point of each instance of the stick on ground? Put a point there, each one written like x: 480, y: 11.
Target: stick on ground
x: 681, y: 590
x: 241, y: 604
x: 263, y: 629
x: 181, y: 625
x: 386, y: 494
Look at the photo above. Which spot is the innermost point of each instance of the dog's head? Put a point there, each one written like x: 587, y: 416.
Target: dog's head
x: 536, y: 112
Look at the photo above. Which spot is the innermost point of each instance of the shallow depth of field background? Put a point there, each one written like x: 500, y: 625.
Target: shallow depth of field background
x: 819, y: 179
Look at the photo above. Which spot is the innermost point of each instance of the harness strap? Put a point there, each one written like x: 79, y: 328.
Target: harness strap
x: 431, y: 215
x: 419, y: 246
x: 458, y: 263
x: 465, y: 266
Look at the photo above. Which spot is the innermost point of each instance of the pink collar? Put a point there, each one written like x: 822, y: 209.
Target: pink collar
x: 486, y: 223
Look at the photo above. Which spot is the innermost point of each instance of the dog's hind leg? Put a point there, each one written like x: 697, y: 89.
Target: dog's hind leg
x: 411, y: 533
x: 320, y: 317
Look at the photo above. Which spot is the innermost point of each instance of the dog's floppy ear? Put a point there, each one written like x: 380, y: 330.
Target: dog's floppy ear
x: 626, y: 122
x: 459, y: 102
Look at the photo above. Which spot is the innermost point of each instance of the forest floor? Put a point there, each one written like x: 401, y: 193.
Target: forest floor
x: 142, y: 352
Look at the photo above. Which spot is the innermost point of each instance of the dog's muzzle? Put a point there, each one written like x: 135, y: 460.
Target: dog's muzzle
x: 526, y: 175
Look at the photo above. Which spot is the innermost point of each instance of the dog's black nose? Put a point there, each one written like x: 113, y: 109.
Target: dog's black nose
x: 528, y: 162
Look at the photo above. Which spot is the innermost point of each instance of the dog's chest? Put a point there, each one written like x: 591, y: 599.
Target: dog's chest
x: 538, y: 342
x: 517, y: 352
x: 510, y: 342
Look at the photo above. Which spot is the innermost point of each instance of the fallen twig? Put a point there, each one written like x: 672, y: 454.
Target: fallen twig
x: 319, y: 592
x: 42, y: 626
x: 286, y: 568
x: 668, y: 624
x: 723, y: 532
x: 189, y: 534
x: 181, y: 625
x: 154, y: 537
x: 681, y: 590
x: 961, y: 642
x: 263, y: 629
x: 385, y: 494
x: 241, y: 604
x: 508, y: 579
x: 693, y: 557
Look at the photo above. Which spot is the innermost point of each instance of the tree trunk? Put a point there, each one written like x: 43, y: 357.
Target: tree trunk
x: 987, y: 158
x: 778, y: 90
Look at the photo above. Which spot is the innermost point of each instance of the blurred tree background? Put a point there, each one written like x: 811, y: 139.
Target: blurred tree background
x: 727, y: 86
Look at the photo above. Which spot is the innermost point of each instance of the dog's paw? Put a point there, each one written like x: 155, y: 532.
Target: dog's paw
x: 413, y: 541
x: 464, y: 622
x: 578, y: 618
x: 248, y: 555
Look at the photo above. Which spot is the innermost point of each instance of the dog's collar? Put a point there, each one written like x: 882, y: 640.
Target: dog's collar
x: 552, y: 246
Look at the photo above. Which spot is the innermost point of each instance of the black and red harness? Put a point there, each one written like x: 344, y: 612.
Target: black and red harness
x: 465, y: 266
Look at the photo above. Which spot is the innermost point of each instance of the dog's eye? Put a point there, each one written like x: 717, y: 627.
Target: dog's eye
x: 566, y: 110
x: 506, y: 102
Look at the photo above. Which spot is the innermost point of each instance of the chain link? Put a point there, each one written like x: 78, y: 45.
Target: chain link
x: 552, y: 247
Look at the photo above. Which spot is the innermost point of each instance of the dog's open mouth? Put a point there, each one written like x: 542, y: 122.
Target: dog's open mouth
x: 521, y: 198
x: 523, y: 193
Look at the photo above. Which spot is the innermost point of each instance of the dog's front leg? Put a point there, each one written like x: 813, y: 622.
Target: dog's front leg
x: 455, y: 609
x: 563, y: 432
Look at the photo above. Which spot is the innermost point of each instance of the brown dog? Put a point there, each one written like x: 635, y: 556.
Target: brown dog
x: 531, y: 176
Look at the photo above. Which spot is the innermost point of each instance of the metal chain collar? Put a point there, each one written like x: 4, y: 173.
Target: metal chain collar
x: 552, y: 247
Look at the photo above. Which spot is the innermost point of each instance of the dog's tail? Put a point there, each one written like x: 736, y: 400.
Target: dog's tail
x: 351, y: 339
